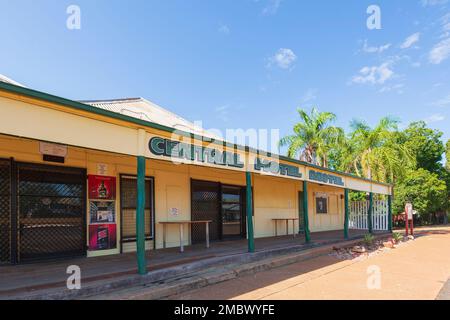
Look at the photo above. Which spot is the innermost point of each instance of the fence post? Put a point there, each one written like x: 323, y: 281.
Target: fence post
x: 369, y: 213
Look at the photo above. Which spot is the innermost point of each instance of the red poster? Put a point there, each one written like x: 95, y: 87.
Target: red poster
x: 102, y: 237
x: 101, y: 187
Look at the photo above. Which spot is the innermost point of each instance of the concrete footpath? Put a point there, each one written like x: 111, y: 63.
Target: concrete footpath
x: 415, y: 270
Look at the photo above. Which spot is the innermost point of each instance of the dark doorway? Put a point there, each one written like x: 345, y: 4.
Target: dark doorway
x: 224, y: 205
x: 51, y: 212
x: 233, y: 217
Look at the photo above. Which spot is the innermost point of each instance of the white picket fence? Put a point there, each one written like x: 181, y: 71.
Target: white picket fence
x: 358, y: 215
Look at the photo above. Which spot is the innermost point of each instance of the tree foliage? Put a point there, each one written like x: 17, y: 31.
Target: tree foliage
x: 424, y: 189
x: 447, y: 155
x: 313, y: 137
x: 425, y: 144
x: 411, y: 159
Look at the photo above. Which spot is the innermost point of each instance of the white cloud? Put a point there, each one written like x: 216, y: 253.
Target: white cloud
x: 434, y: 118
x: 442, y: 102
x: 429, y: 3
x: 412, y: 39
x: 224, y: 29
x: 284, y: 58
x: 222, y: 112
x: 271, y: 7
x: 440, y: 52
x: 375, y: 74
x: 310, y: 95
x: 368, y: 49
x: 397, y: 87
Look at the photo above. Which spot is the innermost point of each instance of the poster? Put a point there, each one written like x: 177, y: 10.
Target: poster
x: 102, y: 237
x: 102, y: 211
x: 101, y: 187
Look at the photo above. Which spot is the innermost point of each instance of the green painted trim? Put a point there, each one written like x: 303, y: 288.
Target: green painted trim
x: 390, y: 213
x: 140, y: 216
x: 347, y: 213
x: 88, y: 108
x: 248, y: 193
x: 369, y: 213
x: 305, y: 211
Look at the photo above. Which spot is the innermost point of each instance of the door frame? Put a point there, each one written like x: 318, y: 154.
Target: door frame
x: 152, y: 209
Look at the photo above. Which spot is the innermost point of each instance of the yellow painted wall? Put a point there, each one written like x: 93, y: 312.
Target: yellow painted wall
x: 274, y: 198
x: 334, y: 219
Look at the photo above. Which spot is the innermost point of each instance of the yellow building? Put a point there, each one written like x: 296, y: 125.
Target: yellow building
x: 76, y: 178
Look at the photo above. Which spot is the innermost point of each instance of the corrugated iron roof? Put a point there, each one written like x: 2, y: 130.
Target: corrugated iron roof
x: 143, y: 109
x: 5, y: 79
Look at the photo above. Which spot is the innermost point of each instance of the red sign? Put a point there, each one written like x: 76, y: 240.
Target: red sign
x: 101, y: 187
x: 102, y: 237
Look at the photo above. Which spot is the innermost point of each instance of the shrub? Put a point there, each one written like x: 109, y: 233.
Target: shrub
x: 397, y: 236
x: 369, y: 239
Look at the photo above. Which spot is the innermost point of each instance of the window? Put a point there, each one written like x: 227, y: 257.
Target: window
x: 128, y: 198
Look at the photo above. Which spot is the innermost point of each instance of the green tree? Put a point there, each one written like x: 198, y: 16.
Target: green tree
x: 377, y: 155
x: 447, y: 155
x: 425, y: 145
x: 424, y: 189
x: 313, y: 137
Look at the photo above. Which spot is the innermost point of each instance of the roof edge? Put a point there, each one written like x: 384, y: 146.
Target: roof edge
x: 88, y: 108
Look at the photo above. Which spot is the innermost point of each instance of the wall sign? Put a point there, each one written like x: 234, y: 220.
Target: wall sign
x: 326, y: 178
x: 102, y: 237
x: 102, y: 187
x: 277, y: 168
x: 185, y: 151
x: 53, y: 149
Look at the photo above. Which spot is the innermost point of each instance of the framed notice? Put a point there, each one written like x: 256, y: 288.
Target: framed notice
x: 102, y: 237
x: 102, y: 187
x: 102, y: 212
x: 321, y: 204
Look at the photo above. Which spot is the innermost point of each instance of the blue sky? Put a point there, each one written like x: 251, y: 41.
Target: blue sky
x: 241, y: 63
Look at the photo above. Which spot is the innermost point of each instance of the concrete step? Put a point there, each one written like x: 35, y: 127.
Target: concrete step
x: 213, y: 275
x: 165, y: 282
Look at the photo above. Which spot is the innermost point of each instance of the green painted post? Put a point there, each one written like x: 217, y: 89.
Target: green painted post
x: 390, y: 213
x: 140, y: 214
x: 347, y: 214
x: 250, y: 235
x: 305, y: 211
x: 369, y: 213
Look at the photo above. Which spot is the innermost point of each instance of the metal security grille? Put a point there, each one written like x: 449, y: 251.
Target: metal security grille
x: 5, y: 211
x: 51, y: 212
x: 205, y: 206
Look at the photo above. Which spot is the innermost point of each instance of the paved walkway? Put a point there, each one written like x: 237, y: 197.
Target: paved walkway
x: 416, y: 270
x: 52, y: 274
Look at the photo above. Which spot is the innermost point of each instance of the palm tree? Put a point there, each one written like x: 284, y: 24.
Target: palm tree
x: 377, y: 155
x: 313, y: 137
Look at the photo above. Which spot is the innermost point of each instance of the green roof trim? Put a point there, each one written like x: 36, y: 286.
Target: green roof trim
x: 88, y: 108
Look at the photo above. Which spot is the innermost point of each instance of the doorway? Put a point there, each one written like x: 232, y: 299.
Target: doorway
x: 224, y: 205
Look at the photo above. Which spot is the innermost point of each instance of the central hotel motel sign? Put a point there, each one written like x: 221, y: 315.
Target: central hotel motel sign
x: 184, y: 151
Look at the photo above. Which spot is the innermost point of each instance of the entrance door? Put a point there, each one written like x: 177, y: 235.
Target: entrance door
x: 232, y: 212
x: 222, y: 204
x: 51, y: 211
x: 205, y: 205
